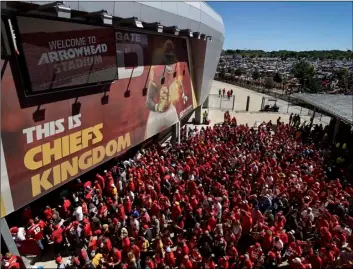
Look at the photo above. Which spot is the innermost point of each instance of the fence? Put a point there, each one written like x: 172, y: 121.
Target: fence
x: 214, y: 101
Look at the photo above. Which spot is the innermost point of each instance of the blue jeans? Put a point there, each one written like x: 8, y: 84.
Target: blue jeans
x: 40, y: 244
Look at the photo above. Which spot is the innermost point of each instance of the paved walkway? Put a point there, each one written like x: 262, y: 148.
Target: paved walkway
x: 254, y: 114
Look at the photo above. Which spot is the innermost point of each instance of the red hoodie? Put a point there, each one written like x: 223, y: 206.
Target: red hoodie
x: 267, y: 241
x: 170, y: 259
x: 316, y: 262
x: 246, y: 223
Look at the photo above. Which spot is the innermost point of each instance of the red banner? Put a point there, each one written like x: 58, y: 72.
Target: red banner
x: 64, y: 54
x: 153, y: 91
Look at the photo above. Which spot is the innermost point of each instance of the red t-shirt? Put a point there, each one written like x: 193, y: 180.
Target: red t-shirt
x: 57, y: 236
x: 87, y: 184
x: 136, y: 250
x: 48, y: 213
x: 36, y: 232
x: 126, y: 244
x: 107, y: 245
x: 150, y: 264
x: 66, y: 205
x: 248, y: 264
x: 246, y: 223
x: 267, y: 241
x: 223, y: 263
x: 87, y: 231
x: 100, y: 180
x: 316, y: 262
x: 70, y: 233
x: 116, y: 255
x: 170, y: 259
x: 254, y: 253
x: 13, y: 263
x: 186, y: 264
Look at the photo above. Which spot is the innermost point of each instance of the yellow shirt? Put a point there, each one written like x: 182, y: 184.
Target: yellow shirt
x: 115, y: 191
x: 145, y: 246
x: 97, y: 259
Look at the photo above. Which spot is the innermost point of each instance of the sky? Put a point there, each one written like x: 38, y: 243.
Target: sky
x: 286, y: 25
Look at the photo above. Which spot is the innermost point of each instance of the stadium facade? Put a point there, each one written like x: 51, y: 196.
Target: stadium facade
x: 82, y: 82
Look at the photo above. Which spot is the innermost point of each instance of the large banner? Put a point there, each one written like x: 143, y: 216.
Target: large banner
x: 153, y: 90
x: 64, y: 54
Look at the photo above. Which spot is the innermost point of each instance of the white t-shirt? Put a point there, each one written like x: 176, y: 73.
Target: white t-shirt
x: 78, y: 213
x: 21, y: 234
x: 218, y: 210
x: 135, y: 225
x: 310, y: 215
x: 278, y: 244
x: 131, y: 196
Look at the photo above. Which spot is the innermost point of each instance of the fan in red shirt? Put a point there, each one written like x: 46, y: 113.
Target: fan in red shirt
x: 126, y: 244
x: 298, y: 263
x: 223, y: 262
x: 246, y: 222
x: 87, y: 231
x: 70, y: 232
x: 103, y: 211
x: 316, y: 261
x: 121, y: 213
x: 170, y: 258
x: 101, y: 181
x: 150, y: 263
x: 256, y: 254
x: 245, y: 262
x: 294, y: 250
x: 11, y: 261
x: 127, y: 205
x: 136, y: 250
x: 326, y: 256
x: 176, y: 211
x: 186, y: 263
x: 267, y: 240
x: 48, y: 213
x: 66, y: 207
x: 57, y: 238
x: 35, y: 231
x: 116, y: 256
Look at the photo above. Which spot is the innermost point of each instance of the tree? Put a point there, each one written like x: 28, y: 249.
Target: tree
x: 303, y: 71
x: 319, y: 54
x: 269, y: 83
x: 222, y: 74
x: 256, y: 75
x: 238, y: 72
x: 277, y: 78
x: 313, y: 85
x: 342, y: 75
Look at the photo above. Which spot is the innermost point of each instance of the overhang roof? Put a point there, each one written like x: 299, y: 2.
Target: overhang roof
x: 337, y: 105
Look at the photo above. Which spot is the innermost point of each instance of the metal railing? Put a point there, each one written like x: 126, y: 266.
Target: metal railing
x: 287, y: 103
x: 222, y: 102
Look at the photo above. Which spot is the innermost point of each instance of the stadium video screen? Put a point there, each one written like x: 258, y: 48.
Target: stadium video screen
x: 61, y: 55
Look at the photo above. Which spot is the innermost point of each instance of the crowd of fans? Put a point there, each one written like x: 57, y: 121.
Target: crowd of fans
x: 226, y: 197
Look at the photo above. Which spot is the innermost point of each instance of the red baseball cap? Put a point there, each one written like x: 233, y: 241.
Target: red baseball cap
x: 14, y: 230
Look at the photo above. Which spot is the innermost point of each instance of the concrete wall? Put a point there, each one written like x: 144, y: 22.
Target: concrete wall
x: 197, y: 16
